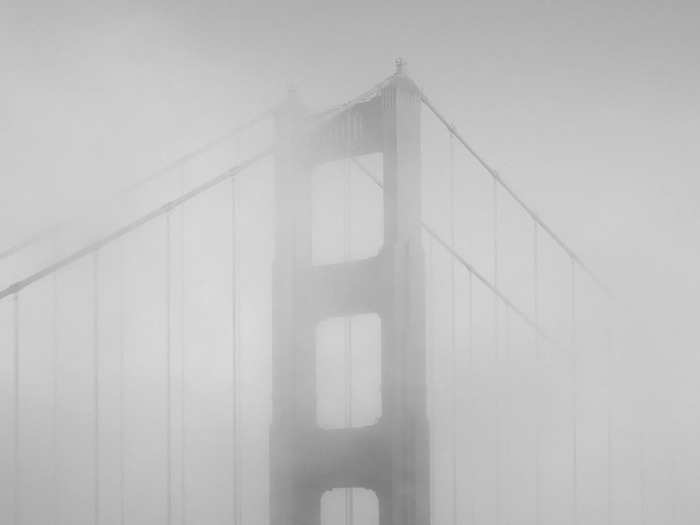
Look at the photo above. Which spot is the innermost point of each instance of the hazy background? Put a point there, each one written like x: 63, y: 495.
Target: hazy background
x: 590, y: 111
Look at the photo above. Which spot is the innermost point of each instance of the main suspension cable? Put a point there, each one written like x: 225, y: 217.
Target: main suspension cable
x: 470, y: 268
x: 133, y: 188
x: 494, y: 174
x: 148, y: 217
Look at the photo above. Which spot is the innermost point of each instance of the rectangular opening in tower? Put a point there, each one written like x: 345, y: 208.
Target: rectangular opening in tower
x: 347, y: 219
x: 349, y: 506
x: 348, y: 371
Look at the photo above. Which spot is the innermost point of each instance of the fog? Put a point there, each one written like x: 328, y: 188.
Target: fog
x: 588, y: 111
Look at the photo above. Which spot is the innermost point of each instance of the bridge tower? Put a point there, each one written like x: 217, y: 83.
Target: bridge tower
x: 391, y: 457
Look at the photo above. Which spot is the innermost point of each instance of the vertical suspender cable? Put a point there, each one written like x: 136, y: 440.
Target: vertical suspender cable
x: 453, y: 333
x: 234, y: 358
x: 168, y: 370
x: 431, y: 370
x: 574, y: 378
x: 496, y: 329
x: 538, y: 371
x: 122, y: 387
x: 674, y: 487
x: 505, y: 397
x: 472, y: 397
x: 611, y: 401
x: 96, y: 380
x: 495, y: 238
x: 643, y: 478
x: 16, y: 434
x: 349, y: 496
x: 54, y: 395
x: 183, y: 355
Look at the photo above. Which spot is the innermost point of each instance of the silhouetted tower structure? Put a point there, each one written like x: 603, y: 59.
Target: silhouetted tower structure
x: 391, y: 457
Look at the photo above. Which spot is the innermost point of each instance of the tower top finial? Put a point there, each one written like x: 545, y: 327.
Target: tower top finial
x: 400, y: 65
